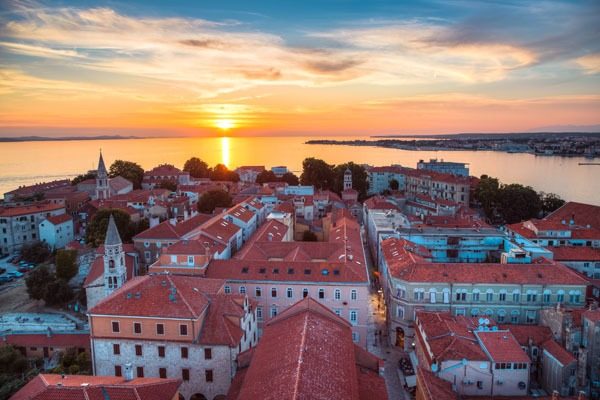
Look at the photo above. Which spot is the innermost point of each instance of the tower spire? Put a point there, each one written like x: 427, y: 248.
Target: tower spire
x: 112, y: 233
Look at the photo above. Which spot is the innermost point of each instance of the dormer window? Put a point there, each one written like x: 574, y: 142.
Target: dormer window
x: 111, y: 264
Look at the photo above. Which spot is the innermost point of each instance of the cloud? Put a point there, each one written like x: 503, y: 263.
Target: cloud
x: 590, y: 63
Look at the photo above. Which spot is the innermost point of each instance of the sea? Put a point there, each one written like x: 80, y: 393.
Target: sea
x: 25, y: 163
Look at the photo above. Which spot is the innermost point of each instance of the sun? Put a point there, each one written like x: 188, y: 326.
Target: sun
x: 224, y: 124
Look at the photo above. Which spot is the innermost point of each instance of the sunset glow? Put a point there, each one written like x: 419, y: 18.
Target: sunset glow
x: 346, y: 69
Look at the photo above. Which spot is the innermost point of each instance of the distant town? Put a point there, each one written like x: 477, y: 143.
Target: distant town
x: 353, y: 281
x: 542, y: 144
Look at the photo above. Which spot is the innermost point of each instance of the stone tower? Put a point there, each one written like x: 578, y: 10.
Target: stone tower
x: 115, y: 272
x: 102, y: 189
x: 347, y: 179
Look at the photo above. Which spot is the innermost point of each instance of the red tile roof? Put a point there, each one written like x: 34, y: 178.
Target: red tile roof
x: 241, y: 213
x: 84, y: 387
x: 584, y: 214
x: 502, y: 346
x: 29, y: 209
x: 272, y: 230
x: 558, y: 352
x: 43, y: 340
x: 219, y: 327
x: 524, y: 333
x: 432, y: 387
x: 576, y: 253
x: 307, y: 352
x: 31, y: 190
x: 592, y: 315
x: 221, y: 230
x: 152, y: 296
x: 59, y: 219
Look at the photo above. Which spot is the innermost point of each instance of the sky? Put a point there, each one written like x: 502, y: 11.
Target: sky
x: 327, y: 67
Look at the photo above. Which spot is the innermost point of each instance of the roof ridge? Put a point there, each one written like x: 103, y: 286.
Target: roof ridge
x: 300, y: 359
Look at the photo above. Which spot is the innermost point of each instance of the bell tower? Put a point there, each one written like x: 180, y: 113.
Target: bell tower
x: 102, y: 189
x: 115, y: 272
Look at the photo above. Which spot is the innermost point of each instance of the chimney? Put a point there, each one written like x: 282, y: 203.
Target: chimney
x: 555, y: 395
x: 581, y: 395
x: 128, y: 372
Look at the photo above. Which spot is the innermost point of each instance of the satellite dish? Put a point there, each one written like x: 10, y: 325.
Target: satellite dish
x: 494, y: 328
x: 434, y: 367
x: 487, y: 321
x: 481, y: 321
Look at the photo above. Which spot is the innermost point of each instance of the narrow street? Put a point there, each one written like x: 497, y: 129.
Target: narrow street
x: 377, y: 340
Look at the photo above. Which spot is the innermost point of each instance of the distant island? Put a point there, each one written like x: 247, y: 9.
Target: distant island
x: 65, y: 138
x: 566, y: 144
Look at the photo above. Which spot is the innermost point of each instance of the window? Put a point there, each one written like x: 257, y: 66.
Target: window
x: 290, y: 293
x: 530, y: 317
x: 353, y: 294
x: 337, y: 294
x: 138, y: 349
x: 338, y: 312
x: 190, y: 260
x: 273, y: 311
x: 259, y: 314
x: 502, y: 297
x: 208, y: 374
x: 479, y: 384
x: 140, y: 372
x: 162, y: 373
x: 160, y: 329
x: 516, y: 297
x: 531, y: 297
x: 432, y: 296
x: 446, y: 294
x: 183, y: 331
x: 489, y: 296
x: 242, y: 289
x: 462, y: 296
x: 118, y: 371
x: 184, y: 352
x: 208, y: 354
x: 560, y: 297
x: 400, y: 312
x: 355, y: 337
x: 115, y: 327
x: 321, y: 293
x: 147, y: 256
x: 161, y: 351
x: 227, y: 289
x: 573, y: 298
x: 353, y: 317
x: 258, y: 292
x: 137, y: 327
x: 304, y: 292
x: 546, y: 297
x: 116, y: 349
x: 273, y: 292
x: 185, y: 374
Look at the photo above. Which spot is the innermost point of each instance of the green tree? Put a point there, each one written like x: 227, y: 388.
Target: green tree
x: 83, y: 177
x: 35, y: 252
x: 486, y: 193
x: 309, y: 236
x: 168, y: 184
x: 57, y: 293
x: 318, y: 173
x: 66, y: 264
x: 266, y: 176
x: 37, y: 282
x: 197, y: 168
x: 96, y: 229
x: 290, y: 179
x: 517, y: 203
x: 359, y: 178
x: 394, y: 184
x: 213, y: 199
x: 221, y: 173
x: 129, y: 170
x: 12, y: 361
x: 551, y: 202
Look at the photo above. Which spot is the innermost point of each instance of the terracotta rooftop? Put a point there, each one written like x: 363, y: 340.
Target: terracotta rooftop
x: 44, y: 340
x: 538, y: 334
x: 558, y: 352
x: 306, y: 352
x: 160, y: 295
x: 241, y: 213
x: 272, y: 230
x: 59, y: 219
x: 584, y: 214
x: 576, y: 253
x: 501, y: 346
x: 29, y: 209
x: 84, y: 387
x: 432, y: 387
x: 592, y: 315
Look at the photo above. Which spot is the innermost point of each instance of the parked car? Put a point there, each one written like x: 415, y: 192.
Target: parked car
x: 5, y: 278
x: 15, y: 274
x: 24, y: 269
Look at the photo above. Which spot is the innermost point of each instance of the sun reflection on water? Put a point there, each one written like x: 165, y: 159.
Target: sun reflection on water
x: 225, y: 151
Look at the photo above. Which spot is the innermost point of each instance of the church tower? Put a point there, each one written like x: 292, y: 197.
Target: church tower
x: 347, y: 179
x: 102, y: 189
x: 115, y: 272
